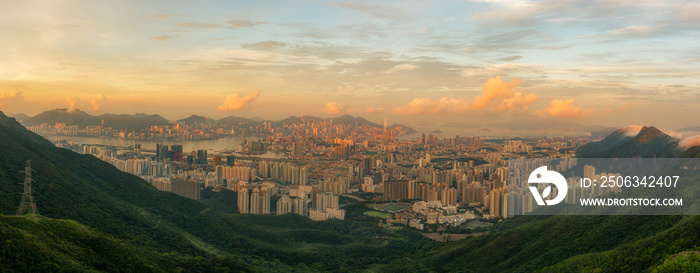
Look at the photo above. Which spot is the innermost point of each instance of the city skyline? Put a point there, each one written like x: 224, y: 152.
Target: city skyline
x: 475, y: 63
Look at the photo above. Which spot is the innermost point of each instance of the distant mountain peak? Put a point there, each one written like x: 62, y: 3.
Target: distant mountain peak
x: 648, y: 134
x: 631, y: 130
x: 632, y: 141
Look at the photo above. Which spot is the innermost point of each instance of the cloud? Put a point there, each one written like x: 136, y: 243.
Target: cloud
x: 510, y: 58
x: 564, y: 109
x: 97, y: 102
x: 11, y: 95
x: 162, y: 16
x: 688, y: 12
x: 635, y: 31
x: 689, y: 142
x: 374, y: 110
x: 164, y: 37
x: 13, y: 101
x: 166, y: 15
x: 497, y: 96
x: 227, y: 24
x: 199, y: 25
x: 503, y: 2
x: 72, y: 104
x: 243, y: 23
x: 237, y: 102
x: 263, y: 45
x: 400, y: 67
x: 522, y: 12
x: 433, y: 107
x: 334, y: 108
x: 377, y: 10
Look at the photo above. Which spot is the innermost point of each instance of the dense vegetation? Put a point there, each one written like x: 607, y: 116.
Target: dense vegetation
x: 94, y: 217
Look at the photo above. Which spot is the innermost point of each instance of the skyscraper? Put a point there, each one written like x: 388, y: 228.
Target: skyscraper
x: 284, y: 205
x: 162, y: 152
x: 255, y: 202
x: 396, y: 190
x: 365, y: 166
x: 304, y: 176
x: 186, y: 188
x: 243, y: 198
x: 219, y: 176
x: 298, y: 149
x: 177, y: 152
x: 301, y: 206
x: 201, y: 156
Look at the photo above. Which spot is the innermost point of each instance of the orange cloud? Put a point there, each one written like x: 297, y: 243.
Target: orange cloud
x: 429, y: 106
x: 374, y: 110
x: 334, y: 108
x: 564, y: 109
x: 11, y: 96
x: 497, y: 96
x: 72, y: 104
x: 97, y: 102
x: 237, y: 102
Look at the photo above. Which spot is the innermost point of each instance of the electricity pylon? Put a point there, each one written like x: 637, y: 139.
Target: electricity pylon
x: 27, y: 203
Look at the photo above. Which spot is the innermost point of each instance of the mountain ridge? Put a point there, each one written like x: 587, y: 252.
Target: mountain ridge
x: 139, y: 121
x: 632, y: 141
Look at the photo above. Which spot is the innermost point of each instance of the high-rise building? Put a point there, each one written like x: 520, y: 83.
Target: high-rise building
x: 298, y: 149
x: 448, y: 197
x: 230, y: 160
x: 260, y: 201
x: 325, y: 200
x: 588, y: 171
x: 219, y: 176
x: 314, y: 197
x: 284, y: 205
x: 162, y: 152
x: 243, y: 198
x: 201, y: 156
x: 255, y: 201
x: 396, y: 190
x: 177, y: 152
x: 186, y: 188
x: 413, y: 189
x: 265, y: 201
x: 340, y: 151
x: 365, y: 166
x: 304, y: 176
x: 301, y: 206
x: 318, y: 215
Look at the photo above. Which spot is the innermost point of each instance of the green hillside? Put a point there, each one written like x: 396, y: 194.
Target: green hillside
x: 572, y: 244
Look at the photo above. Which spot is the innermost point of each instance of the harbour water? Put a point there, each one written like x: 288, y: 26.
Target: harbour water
x: 225, y: 144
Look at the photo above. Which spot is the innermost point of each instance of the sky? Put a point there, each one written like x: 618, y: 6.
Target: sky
x: 460, y: 64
